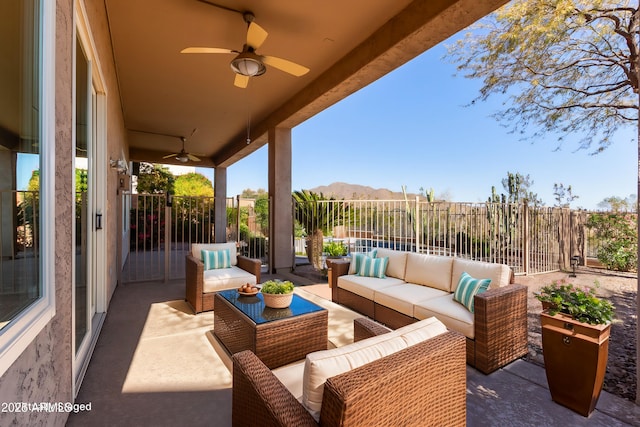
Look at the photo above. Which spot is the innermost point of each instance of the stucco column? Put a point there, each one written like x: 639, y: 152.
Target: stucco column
x: 220, y: 204
x: 281, y: 217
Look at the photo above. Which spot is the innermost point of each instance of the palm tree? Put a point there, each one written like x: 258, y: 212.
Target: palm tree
x: 316, y: 213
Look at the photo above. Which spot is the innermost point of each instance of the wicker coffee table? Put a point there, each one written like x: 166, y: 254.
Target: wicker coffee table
x: 276, y: 336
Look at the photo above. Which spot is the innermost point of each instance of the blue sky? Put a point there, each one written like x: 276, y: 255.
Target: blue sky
x: 412, y: 128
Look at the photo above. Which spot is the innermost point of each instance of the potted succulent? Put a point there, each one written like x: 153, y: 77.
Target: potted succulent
x: 277, y: 293
x: 575, y: 343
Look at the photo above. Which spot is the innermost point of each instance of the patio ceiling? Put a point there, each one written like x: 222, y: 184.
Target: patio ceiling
x: 345, y: 44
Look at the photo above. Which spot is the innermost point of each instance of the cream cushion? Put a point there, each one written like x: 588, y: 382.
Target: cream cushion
x: 226, y: 278
x: 498, y: 273
x: 454, y: 315
x: 397, y: 262
x: 196, y: 249
x: 429, y: 270
x: 366, y: 286
x: 291, y: 377
x: 402, y: 297
x: 321, y: 365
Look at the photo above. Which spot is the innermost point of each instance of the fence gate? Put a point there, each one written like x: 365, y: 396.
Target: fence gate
x: 157, y: 233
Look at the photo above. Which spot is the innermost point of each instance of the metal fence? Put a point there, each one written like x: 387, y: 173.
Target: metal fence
x: 161, y: 232
x: 529, y: 239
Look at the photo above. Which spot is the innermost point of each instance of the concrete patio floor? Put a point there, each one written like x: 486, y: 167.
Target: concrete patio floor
x: 176, y: 378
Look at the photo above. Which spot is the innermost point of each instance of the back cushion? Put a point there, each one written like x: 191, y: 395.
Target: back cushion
x: 321, y: 365
x: 429, y: 270
x: 498, y: 273
x: 397, y: 262
x: 196, y: 250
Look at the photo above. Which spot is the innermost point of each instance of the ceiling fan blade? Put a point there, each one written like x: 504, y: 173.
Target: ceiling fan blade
x: 241, y: 81
x: 170, y: 155
x: 256, y: 35
x: 193, y: 158
x: 207, y: 50
x: 285, y: 65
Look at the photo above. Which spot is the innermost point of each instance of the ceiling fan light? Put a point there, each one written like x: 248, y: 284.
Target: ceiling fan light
x: 182, y: 158
x: 247, y: 65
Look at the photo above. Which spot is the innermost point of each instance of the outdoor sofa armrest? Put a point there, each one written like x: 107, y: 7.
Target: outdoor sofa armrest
x: 364, y: 328
x: 335, y: 269
x: 194, y: 281
x: 259, y: 398
x: 250, y: 265
x: 424, y: 384
x: 500, y: 321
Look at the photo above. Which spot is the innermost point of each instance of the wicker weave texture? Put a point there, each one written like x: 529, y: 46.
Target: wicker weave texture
x: 500, y: 327
x: 422, y: 385
x: 194, y: 281
x: 500, y: 322
x: 276, y: 343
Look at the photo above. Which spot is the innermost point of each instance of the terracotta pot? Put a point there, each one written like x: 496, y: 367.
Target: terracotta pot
x: 575, y: 360
x: 277, y: 300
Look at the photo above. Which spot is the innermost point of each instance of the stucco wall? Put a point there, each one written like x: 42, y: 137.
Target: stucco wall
x: 43, y: 372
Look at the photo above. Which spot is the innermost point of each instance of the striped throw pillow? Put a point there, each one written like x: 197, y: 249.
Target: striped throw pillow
x: 356, y: 260
x: 216, y: 259
x: 468, y: 287
x: 373, y: 267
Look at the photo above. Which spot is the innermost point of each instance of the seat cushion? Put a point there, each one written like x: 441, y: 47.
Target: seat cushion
x: 321, y: 365
x: 397, y: 262
x: 429, y: 270
x: 454, y: 315
x: 365, y: 286
x: 498, y: 273
x: 226, y: 278
x: 402, y: 297
x: 196, y: 250
x: 291, y: 376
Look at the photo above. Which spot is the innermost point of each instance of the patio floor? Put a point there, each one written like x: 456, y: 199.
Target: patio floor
x: 153, y: 365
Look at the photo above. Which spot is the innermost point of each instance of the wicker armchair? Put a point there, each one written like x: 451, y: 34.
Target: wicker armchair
x: 198, y: 299
x: 424, y: 384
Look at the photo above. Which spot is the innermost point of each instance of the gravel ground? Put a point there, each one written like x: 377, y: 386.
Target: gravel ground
x: 620, y: 289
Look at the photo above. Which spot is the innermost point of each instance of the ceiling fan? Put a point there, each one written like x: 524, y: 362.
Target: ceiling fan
x: 247, y: 62
x: 182, y: 156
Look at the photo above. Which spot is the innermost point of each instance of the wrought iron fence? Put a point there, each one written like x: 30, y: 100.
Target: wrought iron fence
x: 527, y: 238
x: 161, y: 232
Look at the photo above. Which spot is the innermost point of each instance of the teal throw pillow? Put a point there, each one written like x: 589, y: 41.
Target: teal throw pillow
x: 216, y: 259
x: 373, y: 267
x: 356, y: 260
x: 468, y: 287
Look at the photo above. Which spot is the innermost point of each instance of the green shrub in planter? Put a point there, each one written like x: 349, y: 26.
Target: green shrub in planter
x: 277, y: 287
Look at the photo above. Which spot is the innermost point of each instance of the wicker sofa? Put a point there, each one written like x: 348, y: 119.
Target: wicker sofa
x: 422, y: 384
x: 417, y: 286
x: 202, y: 284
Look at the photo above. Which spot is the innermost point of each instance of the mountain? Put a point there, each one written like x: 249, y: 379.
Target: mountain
x: 342, y: 190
